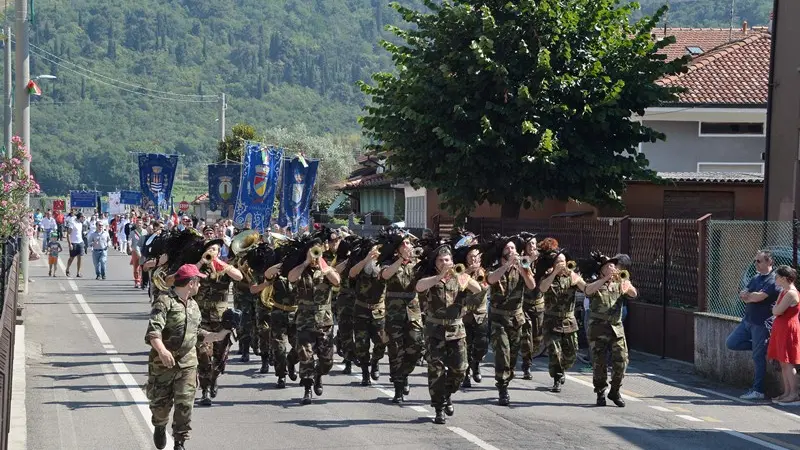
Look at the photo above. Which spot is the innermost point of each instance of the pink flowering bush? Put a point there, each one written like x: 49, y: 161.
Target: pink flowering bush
x: 14, y: 214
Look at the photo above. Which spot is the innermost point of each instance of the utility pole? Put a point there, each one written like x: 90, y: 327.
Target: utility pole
x: 222, y: 107
x: 23, y: 107
x: 8, y: 113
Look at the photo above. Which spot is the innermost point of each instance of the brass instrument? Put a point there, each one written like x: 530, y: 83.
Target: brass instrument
x: 244, y: 242
x: 278, y: 239
x: 571, y: 265
x: 159, y: 278
x: 265, y: 297
x: 624, y: 275
x: 316, y: 252
x: 459, y: 269
x: 418, y: 252
x: 480, y: 277
x: 525, y: 262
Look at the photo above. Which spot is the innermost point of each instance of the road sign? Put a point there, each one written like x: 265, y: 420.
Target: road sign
x: 183, y: 206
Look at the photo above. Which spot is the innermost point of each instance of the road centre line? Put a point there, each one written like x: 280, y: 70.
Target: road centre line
x: 472, y: 438
x: 751, y: 439
x: 661, y: 408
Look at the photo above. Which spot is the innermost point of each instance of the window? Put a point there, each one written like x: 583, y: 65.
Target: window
x: 731, y: 129
x: 415, y: 212
x: 694, y: 51
x: 731, y: 167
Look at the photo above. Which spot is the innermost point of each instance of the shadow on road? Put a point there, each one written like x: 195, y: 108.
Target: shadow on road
x: 696, y: 439
x: 332, y: 424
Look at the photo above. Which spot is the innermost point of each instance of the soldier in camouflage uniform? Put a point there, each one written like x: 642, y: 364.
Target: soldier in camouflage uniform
x: 560, y: 326
x: 213, y: 301
x: 313, y: 280
x: 173, y: 333
x: 344, y: 304
x: 281, y: 330
x: 245, y: 301
x: 475, y: 321
x: 448, y: 298
x: 606, y: 332
x: 369, y: 315
x: 533, y: 307
x: 505, y: 315
x: 403, y: 314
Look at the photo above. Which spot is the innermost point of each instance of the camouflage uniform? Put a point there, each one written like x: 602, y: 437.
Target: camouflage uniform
x: 532, y: 333
x: 477, y: 329
x: 178, y: 326
x: 244, y: 301
x: 345, y: 336
x: 314, y: 323
x: 403, y: 323
x: 369, y: 316
x: 560, y: 326
x: 506, y: 319
x: 606, y: 333
x: 261, y: 325
x: 446, y: 338
x: 212, y: 298
x: 281, y: 328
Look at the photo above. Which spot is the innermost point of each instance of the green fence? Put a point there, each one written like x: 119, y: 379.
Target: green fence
x: 732, y: 246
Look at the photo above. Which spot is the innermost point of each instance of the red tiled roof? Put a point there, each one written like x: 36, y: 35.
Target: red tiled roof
x: 200, y: 198
x: 374, y: 180
x: 707, y: 39
x: 734, y: 74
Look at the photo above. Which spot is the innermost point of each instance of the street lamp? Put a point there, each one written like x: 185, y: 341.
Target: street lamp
x: 46, y: 77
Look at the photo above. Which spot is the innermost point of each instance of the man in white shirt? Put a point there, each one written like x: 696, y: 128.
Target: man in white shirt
x: 122, y: 237
x: 75, y: 241
x: 49, y: 225
x: 99, y: 240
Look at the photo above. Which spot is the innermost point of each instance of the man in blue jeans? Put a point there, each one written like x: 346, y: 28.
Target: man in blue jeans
x: 752, y: 333
x: 99, y: 240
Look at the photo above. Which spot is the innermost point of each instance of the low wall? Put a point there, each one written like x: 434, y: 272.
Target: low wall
x: 713, y: 360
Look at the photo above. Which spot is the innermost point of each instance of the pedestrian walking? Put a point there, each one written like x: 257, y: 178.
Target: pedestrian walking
x: 100, y: 240
x: 53, y: 249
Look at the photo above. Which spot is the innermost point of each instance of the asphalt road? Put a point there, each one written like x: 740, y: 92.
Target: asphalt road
x: 86, y: 364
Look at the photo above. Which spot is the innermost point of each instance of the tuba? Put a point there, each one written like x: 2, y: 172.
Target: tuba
x: 159, y: 279
x: 244, y: 242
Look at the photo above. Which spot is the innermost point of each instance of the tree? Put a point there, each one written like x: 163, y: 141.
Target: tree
x: 513, y: 103
x: 232, y: 147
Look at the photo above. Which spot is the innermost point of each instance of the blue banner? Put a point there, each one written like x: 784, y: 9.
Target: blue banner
x: 299, y: 176
x: 156, y: 174
x: 130, y: 198
x: 223, y: 187
x: 259, y: 181
x: 83, y: 199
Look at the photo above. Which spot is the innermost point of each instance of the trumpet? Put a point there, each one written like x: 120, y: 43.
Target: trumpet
x: 571, y: 265
x: 418, y: 252
x: 525, y: 262
x: 315, y: 252
x: 207, y: 256
x: 624, y: 275
x: 458, y: 269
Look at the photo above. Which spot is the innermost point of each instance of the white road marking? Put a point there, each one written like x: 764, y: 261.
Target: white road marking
x: 586, y: 383
x: 668, y: 380
x: 419, y: 409
x: 661, y: 408
x: 751, y: 439
x: 98, y: 329
x: 793, y: 416
x: 472, y: 438
x: 73, y: 285
x: 385, y: 392
x: 720, y: 394
x: 62, y: 288
x: 689, y: 418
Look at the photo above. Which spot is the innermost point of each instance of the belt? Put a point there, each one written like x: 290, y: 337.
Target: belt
x: 534, y: 302
x: 437, y: 321
x: 287, y: 308
x: 605, y: 317
x: 563, y: 315
x: 400, y: 294
x: 370, y: 306
x: 505, y: 312
x: 100, y: 249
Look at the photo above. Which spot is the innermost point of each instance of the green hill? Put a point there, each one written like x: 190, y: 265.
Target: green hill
x: 144, y: 75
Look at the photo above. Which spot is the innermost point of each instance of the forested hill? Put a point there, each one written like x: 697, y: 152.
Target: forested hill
x: 281, y: 62
x: 711, y: 13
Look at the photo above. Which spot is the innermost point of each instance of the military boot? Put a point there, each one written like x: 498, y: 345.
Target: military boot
x: 503, y: 398
x: 307, y: 383
x: 526, y: 372
x: 160, y: 437
x: 292, y: 372
x: 556, y: 385
x: 244, y: 349
x: 214, y: 388
x: 614, y: 396
x: 348, y: 367
x: 205, y: 400
x: 476, y: 372
x: 398, y: 392
x: 439, y: 419
x: 318, y: 384
x: 467, y: 383
x: 375, y: 372
x: 406, y: 388
x: 281, y: 384
x: 365, y: 381
x: 449, y: 409
x: 264, y: 365
x: 178, y: 446
x: 601, y: 398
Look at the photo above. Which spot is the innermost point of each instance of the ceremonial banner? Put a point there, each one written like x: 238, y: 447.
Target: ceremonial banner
x: 299, y: 176
x: 223, y: 186
x: 59, y: 205
x: 83, y: 199
x: 260, y: 172
x: 156, y: 174
x: 114, y: 205
x: 129, y: 197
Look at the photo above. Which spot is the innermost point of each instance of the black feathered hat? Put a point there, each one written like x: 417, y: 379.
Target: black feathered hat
x: 591, y: 267
x: 261, y: 258
x: 546, y: 261
x: 207, y: 244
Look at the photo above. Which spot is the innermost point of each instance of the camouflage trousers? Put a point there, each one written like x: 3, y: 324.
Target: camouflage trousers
x: 532, y: 333
x: 284, y: 338
x: 563, y: 351
x: 404, y: 347
x: 345, y: 335
x: 447, y: 367
x: 505, y: 344
x: 168, y: 387
x: 477, y: 341
x: 263, y: 330
x: 311, y: 342
x: 246, y: 332
x: 366, y: 331
x: 601, y: 341
x: 212, y: 357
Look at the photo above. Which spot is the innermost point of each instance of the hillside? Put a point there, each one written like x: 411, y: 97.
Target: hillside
x: 711, y: 13
x: 120, y: 64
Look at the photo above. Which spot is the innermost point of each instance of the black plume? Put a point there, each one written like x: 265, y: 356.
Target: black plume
x: 261, y: 258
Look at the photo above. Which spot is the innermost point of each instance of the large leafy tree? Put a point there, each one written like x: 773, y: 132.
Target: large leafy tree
x: 517, y: 102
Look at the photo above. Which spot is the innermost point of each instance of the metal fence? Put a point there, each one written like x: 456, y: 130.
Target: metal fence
x: 8, y: 319
x: 731, y: 248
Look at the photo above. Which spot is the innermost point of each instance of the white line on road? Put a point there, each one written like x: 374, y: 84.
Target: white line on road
x: 720, y: 394
x: 418, y: 408
x: 385, y: 392
x: 751, y: 439
x: 61, y: 286
x: 73, y: 285
x: 668, y: 380
x: 661, y: 408
x: 689, y: 418
x: 586, y: 383
x: 472, y: 438
x: 98, y: 329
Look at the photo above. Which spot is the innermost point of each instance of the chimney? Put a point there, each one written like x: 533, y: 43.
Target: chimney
x: 744, y: 27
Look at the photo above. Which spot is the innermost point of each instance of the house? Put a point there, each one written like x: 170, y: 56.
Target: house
x: 372, y: 191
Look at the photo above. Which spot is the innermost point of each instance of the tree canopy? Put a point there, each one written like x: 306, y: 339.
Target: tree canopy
x: 514, y: 103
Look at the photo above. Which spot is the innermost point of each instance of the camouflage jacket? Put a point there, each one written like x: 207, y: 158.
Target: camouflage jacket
x: 402, y: 302
x: 212, y: 297
x: 533, y: 300
x: 241, y: 289
x: 447, y: 304
x: 177, y: 324
x: 559, y: 306
x: 346, y: 297
x: 605, y: 307
x: 370, y: 290
x: 506, y: 299
x: 313, y: 293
